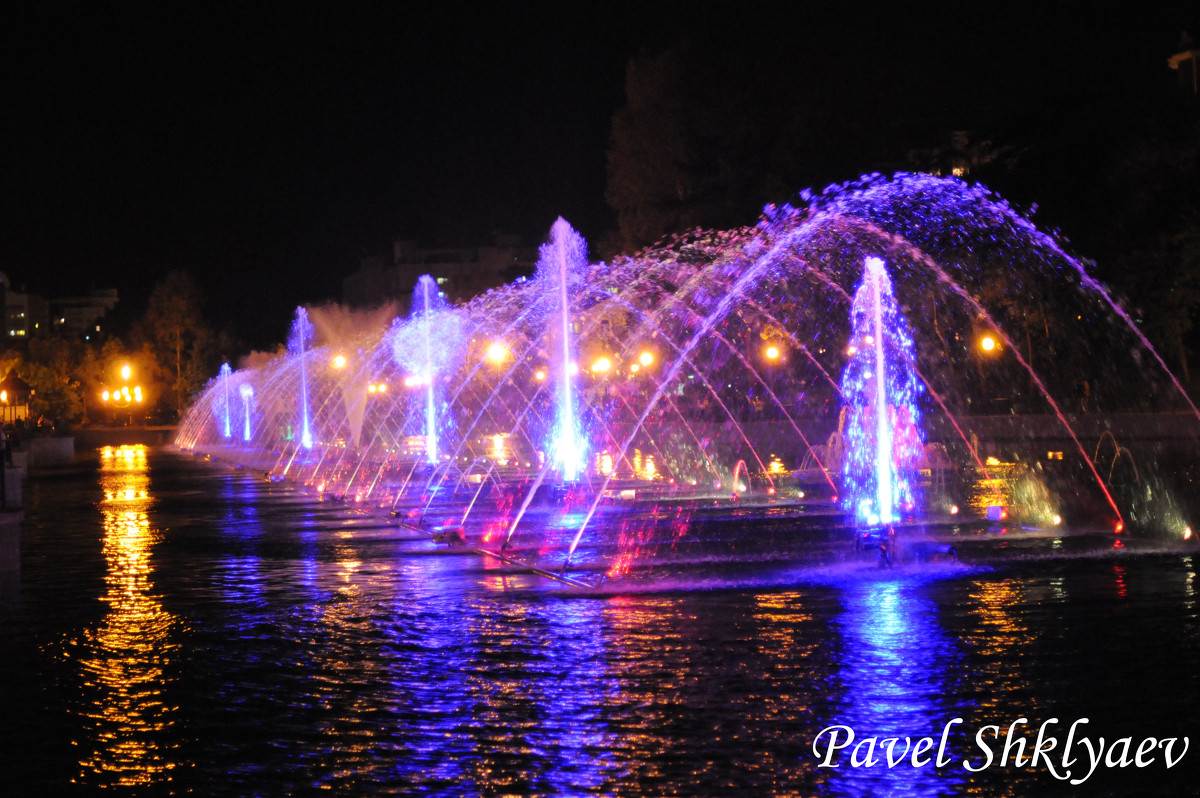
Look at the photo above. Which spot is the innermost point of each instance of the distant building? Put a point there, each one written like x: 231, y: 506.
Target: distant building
x: 24, y: 314
x: 81, y: 315
x: 959, y: 154
x: 1186, y: 64
x: 27, y: 315
x: 461, y: 272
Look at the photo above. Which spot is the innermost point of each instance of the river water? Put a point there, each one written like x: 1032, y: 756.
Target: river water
x: 178, y: 627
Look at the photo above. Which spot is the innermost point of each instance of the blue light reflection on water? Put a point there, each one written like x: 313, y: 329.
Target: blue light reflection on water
x: 894, y: 675
x: 313, y: 647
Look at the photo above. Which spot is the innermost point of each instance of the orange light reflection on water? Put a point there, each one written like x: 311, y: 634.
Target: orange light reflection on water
x: 124, y: 663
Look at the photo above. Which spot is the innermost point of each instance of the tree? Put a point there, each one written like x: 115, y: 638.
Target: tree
x: 96, y: 372
x: 1154, y: 234
x: 707, y: 137
x: 649, y: 181
x: 176, y: 332
x: 50, y: 371
x: 1165, y: 277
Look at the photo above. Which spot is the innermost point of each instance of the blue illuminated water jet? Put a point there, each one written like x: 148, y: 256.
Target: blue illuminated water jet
x: 301, y: 338
x: 226, y: 430
x: 880, y: 389
x: 564, y: 255
x: 426, y: 345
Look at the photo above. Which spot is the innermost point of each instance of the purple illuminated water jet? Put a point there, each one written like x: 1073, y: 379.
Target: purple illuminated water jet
x: 427, y: 290
x: 247, y: 393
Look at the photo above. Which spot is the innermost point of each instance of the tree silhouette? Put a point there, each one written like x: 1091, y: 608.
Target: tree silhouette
x: 178, y: 335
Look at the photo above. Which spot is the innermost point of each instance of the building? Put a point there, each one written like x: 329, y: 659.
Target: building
x: 25, y: 314
x: 81, y: 315
x: 1186, y: 64
x: 461, y: 272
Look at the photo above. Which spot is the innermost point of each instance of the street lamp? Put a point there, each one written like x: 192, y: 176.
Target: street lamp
x: 123, y: 396
x: 496, y: 353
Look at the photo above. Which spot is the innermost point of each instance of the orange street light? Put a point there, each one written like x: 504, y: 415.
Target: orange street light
x: 496, y: 353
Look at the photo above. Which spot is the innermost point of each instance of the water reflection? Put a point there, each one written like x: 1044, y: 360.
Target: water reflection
x: 570, y: 694
x: 895, y: 676
x: 715, y: 694
x: 999, y: 630
x: 324, y: 650
x: 126, y: 663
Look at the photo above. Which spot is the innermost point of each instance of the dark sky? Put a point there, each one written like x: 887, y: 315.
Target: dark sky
x: 266, y: 147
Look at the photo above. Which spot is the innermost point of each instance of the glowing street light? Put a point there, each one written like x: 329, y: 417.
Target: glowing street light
x: 601, y: 365
x: 338, y: 362
x: 988, y: 344
x: 646, y: 358
x: 125, y: 395
x: 772, y: 352
x: 496, y: 353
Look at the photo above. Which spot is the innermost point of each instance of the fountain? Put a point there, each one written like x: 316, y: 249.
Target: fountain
x: 655, y: 387
x: 561, y: 258
x: 247, y: 392
x: 414, y: 348
x: 224, y: 375
x: 880, y: 387
x: 302, y: 331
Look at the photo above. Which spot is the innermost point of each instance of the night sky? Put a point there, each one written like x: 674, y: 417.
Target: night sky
x: 267, y: 147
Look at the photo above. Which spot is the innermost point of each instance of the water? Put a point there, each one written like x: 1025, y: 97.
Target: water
x: 561, y: 259
x: 178, y: 626
x: 302, y: 331
x: 884, y: 450
x: 564, y: 410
